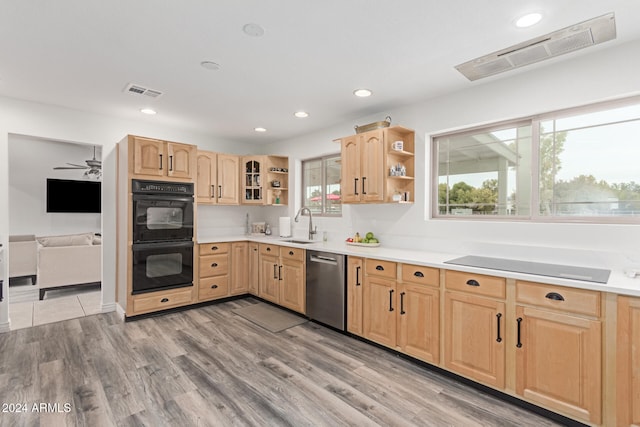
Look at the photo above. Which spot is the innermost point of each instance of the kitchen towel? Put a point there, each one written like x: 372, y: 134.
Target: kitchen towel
x: 285, y: 226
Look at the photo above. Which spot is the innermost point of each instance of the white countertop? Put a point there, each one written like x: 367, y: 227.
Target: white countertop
x: 618, y: 282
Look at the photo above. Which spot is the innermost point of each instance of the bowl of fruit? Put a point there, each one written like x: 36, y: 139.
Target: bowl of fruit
x: 368, y: 240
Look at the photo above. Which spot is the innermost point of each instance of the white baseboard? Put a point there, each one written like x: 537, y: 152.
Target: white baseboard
x: 121, y: 313
x: 5, y: 327
x: 108, y: 308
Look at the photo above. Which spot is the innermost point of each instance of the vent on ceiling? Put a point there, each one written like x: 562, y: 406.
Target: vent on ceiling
x: 141, y: 90
x: 570, y: 39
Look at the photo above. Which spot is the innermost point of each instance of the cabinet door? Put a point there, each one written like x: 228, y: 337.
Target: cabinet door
x: 239, y: 268
x: 379, y: 310
x: 254, y: 268
x: 473, y: 347
x: 355, y: 277
x: 419, y: 324
x: 559, y: 362
x: 372, y: 166
x: 292, y: 285
x: 350, y: 183
x: 228, y: 191
x: 206, y: 178
x: 180, y: 159
x: 252, y: 180
x: 628, y: 363
x: 269, y: 288
x: 149, y: 157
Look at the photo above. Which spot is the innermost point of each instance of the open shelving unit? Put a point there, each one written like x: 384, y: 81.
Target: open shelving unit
x: 400, y: 187
x: 261, y: 177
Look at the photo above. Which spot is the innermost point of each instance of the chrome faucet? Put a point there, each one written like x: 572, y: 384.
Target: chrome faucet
x: 312, y: 230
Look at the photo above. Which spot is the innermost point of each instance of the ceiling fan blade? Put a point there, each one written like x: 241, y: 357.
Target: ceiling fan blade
x: 68, y: 167
x: 78, y: 166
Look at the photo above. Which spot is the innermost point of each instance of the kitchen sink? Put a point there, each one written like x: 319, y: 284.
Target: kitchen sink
x: 302, y: 242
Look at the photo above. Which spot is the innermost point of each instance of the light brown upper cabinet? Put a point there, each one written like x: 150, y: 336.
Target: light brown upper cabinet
x: 218, y: 180
x: 378, y: 166
x: 154, y: 158
x: 265, y: 180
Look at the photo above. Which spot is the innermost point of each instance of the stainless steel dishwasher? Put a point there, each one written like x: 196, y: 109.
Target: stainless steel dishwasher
x: 326, y: 288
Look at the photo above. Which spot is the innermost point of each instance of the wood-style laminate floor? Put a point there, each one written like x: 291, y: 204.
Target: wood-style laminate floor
x: 210, y: 367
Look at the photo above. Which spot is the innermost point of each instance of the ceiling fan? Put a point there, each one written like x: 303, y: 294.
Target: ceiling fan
x: 93, y: 167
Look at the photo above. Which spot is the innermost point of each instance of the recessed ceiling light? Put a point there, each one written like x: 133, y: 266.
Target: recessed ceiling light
x: 528, y: 20
x: 362, y: 93
x: 260, y: 129
x: 148, y: 111
x: 253, y: 30
x: 210, y: 65
x: 301, y: 114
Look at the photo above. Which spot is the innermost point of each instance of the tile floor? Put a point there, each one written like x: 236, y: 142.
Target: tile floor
x: 25, y: 310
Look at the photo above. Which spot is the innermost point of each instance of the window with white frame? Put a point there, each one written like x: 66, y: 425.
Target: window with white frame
x: 572, y: 165
x: 321, y: 185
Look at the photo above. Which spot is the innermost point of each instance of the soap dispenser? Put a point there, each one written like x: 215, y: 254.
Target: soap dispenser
x: 267, y: 230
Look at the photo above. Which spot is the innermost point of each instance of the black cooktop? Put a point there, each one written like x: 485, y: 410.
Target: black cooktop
x: 586, y: 274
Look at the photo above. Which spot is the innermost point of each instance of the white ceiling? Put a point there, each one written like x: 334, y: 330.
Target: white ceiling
x: 82, y: 53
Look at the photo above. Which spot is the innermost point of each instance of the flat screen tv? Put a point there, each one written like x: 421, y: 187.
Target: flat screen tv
x: 69, y: 196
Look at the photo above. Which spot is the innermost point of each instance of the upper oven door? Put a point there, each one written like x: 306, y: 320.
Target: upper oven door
x: 158, y: 218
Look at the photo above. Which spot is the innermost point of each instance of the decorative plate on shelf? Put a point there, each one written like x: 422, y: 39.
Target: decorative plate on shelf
x: 371, y: 245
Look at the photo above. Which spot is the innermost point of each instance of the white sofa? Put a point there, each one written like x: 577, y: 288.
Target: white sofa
x: 68, y: 260
x: 23, y: 252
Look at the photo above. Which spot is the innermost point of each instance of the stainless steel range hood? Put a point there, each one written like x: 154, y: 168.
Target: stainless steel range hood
x: 570, y: 39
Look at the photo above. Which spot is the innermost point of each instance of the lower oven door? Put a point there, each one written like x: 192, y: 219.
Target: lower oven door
x: 164, y: 265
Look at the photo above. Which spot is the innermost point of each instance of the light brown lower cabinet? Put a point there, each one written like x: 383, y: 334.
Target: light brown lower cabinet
x: 558, y: 362
x: 474, y: 337
x: 419, y: 327
x: 293, y: 279
x: 628, y: 362
x: 239, y: 283
x: 269, y: 289
x: 378, y: 310
x: 254, y: 268
x: 559, y: 349
x: 282, y: 276
x: 213, y: 271
x: 156, y: 301
x: 404, y: 316
x: 355, y: 278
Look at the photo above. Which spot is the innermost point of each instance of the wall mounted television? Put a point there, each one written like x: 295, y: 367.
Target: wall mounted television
x: 69, y: 196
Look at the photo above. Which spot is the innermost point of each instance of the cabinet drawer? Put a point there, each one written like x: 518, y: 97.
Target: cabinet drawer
x: 214, y: 248
x: 160, y: 300
x: 214, y: 265
x: 294, y: 254
x: 420, y: 275
x: 376, y: 267
x: 478, y: 284
x: 268, y: 249
x: 580, y: 301
x: 213, y: 287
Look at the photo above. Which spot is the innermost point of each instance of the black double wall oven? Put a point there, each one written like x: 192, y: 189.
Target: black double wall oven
x: 162, y: 235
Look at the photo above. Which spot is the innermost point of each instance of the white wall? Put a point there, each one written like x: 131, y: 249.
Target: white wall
x: 19, y: 117
x: 31, y: 162
x: 605, y: 74
x: 602, y: 75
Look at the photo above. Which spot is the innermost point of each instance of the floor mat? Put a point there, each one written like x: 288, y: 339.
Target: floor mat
x: 270, y: 318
